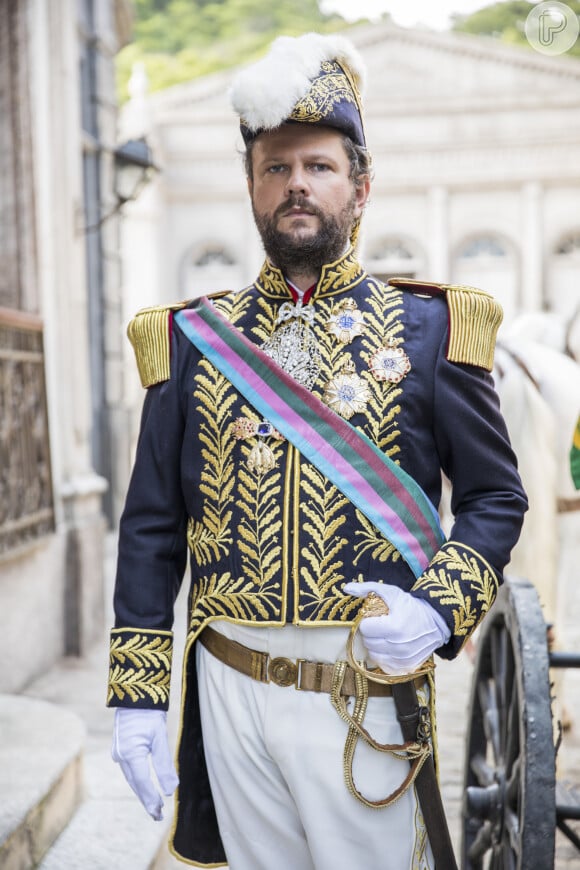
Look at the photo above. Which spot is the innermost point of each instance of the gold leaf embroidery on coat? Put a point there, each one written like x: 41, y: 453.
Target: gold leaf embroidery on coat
x: 470, y: 595
x: 322, y: 570
x: 343, y: 274
x: 259, y: 530
x: 140, y: 666
x: 142, y: 651
x: 139, y: 684
x: 265, y: 320
x: 373, y: 542
x: 272, y: 282
x: 221, y: 595
x: 333, y: 355
x: 212, y: 536
x: 383, y: 321
x: 233, y: 306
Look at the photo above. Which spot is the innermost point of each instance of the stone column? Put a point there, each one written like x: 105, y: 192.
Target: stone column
x: 63, y: 307
x: 532, y: 292
x: 143, y: 268
x: 438, y: 228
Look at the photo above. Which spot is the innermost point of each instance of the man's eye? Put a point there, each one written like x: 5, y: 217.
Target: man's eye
x: 320, y: 167
x: 278, y: 167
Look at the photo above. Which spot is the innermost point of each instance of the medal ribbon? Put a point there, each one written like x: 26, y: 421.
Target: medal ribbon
x: 389, y: 497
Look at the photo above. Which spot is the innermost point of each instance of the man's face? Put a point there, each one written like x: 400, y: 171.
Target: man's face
x: 303, y: 199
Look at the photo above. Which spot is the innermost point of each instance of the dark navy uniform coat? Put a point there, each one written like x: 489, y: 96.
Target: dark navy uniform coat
x: 275, y: 544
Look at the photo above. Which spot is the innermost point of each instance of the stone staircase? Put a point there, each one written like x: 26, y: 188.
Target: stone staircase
x: 41, y: 749
x: 64, y: 805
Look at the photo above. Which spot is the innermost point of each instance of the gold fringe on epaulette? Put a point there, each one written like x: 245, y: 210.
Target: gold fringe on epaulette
x: 474, y: 319
x: 149, y: 333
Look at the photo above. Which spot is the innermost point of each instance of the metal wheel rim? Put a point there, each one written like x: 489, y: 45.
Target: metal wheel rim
x: 509, y: 784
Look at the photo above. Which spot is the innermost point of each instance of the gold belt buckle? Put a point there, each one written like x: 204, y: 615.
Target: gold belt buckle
x: 283, y: 672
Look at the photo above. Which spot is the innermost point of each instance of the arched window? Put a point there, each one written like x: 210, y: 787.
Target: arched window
x: 394, y: 255
x: 569, y: 246
x: 213, y: 256
x: 489, y: 261
x: 563, y: 276
x: 483, y: 247
x: 206, y: 268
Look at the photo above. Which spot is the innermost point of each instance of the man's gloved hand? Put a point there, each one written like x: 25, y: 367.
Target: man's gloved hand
x: 403, y: 639
x: 137, y: 735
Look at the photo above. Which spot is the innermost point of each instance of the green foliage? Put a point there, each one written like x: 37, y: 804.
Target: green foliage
x: 506, y: 22
x: 178, y: 40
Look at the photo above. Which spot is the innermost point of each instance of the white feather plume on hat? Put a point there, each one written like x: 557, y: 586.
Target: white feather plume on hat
x: 265, y: 93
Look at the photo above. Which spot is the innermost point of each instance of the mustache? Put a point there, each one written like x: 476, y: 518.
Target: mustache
x: 296, y: 201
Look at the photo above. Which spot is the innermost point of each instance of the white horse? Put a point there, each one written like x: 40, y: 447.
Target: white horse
x: 532, y: 426
x: 539, y: 389
x: 557, y: 377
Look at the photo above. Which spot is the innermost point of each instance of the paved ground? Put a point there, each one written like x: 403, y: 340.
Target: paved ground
x: 79, y: 685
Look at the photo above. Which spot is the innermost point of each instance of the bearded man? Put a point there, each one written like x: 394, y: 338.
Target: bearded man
x: 293, y: 438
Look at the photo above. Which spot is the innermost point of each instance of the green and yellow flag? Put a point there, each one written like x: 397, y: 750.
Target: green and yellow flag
x: 575, y: 456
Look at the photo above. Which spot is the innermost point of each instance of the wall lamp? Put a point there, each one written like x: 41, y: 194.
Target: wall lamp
x: 134, y: 168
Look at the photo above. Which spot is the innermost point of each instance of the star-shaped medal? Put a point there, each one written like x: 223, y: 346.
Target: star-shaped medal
x: 347, y: 394
x: 346, y: 322
x: 390, y: 363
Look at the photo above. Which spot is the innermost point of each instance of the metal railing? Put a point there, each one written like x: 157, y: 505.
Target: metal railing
x: 26, y: 498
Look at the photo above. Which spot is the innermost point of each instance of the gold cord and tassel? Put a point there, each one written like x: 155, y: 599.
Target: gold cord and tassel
x: 414, y: 752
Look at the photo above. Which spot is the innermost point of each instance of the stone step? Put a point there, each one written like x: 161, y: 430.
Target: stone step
x: 41, y: 782
x: 106, y: 835
x: 110, y: 830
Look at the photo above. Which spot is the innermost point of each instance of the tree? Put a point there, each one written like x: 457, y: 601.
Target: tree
x: 506, y: 21
x: 178, y: 40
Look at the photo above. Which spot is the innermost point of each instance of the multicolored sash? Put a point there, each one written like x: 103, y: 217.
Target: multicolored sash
x: 377, y: 486
x: 575, y: 456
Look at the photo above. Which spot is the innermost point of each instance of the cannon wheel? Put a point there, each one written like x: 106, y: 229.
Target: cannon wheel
x: 509, y: 803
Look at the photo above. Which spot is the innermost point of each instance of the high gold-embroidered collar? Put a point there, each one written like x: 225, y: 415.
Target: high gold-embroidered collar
x: 337, y: 277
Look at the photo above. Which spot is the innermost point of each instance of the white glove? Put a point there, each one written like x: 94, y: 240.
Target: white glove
x: 400, y: 641
x: 138, y: 734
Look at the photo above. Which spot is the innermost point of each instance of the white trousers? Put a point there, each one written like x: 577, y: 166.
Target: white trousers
x: 275, y: 762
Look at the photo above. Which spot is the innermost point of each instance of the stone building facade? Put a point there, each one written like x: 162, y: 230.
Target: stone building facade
x: 61, y: 414
x: 477, y: 176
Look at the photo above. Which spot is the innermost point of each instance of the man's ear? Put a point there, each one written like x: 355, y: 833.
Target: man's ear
x: 250, y: 185
x: 362, y: 192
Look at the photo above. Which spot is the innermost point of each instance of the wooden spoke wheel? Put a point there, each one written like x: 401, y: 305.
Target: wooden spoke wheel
x: 509, y: 804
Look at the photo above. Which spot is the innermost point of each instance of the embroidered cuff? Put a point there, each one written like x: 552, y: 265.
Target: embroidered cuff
x: 462, y: 586
x: 139, y: 668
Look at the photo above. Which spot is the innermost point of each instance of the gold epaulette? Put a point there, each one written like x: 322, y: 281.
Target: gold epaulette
x: 149, y: 333
x: 474, y: 319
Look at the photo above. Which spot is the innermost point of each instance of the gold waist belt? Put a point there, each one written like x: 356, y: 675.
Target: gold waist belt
x: 304, y: 675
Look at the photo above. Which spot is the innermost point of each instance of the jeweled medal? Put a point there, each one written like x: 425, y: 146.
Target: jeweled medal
x: 347, y: 394
x: 346, y: 321
x: 293, y: 344
x: 390, y: 362
x: 261, y: 457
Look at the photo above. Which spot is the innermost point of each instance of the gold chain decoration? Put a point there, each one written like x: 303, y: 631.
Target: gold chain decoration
x: 415, y: 752
x: 412, y: 751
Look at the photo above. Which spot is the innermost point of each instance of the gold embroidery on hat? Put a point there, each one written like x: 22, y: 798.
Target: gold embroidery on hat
x: 331, y: 87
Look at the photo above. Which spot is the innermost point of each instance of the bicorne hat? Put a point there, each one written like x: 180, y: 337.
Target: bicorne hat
x: 309, y: 79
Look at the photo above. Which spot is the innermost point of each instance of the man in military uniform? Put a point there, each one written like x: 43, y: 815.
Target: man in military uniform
x: 293, y: 437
